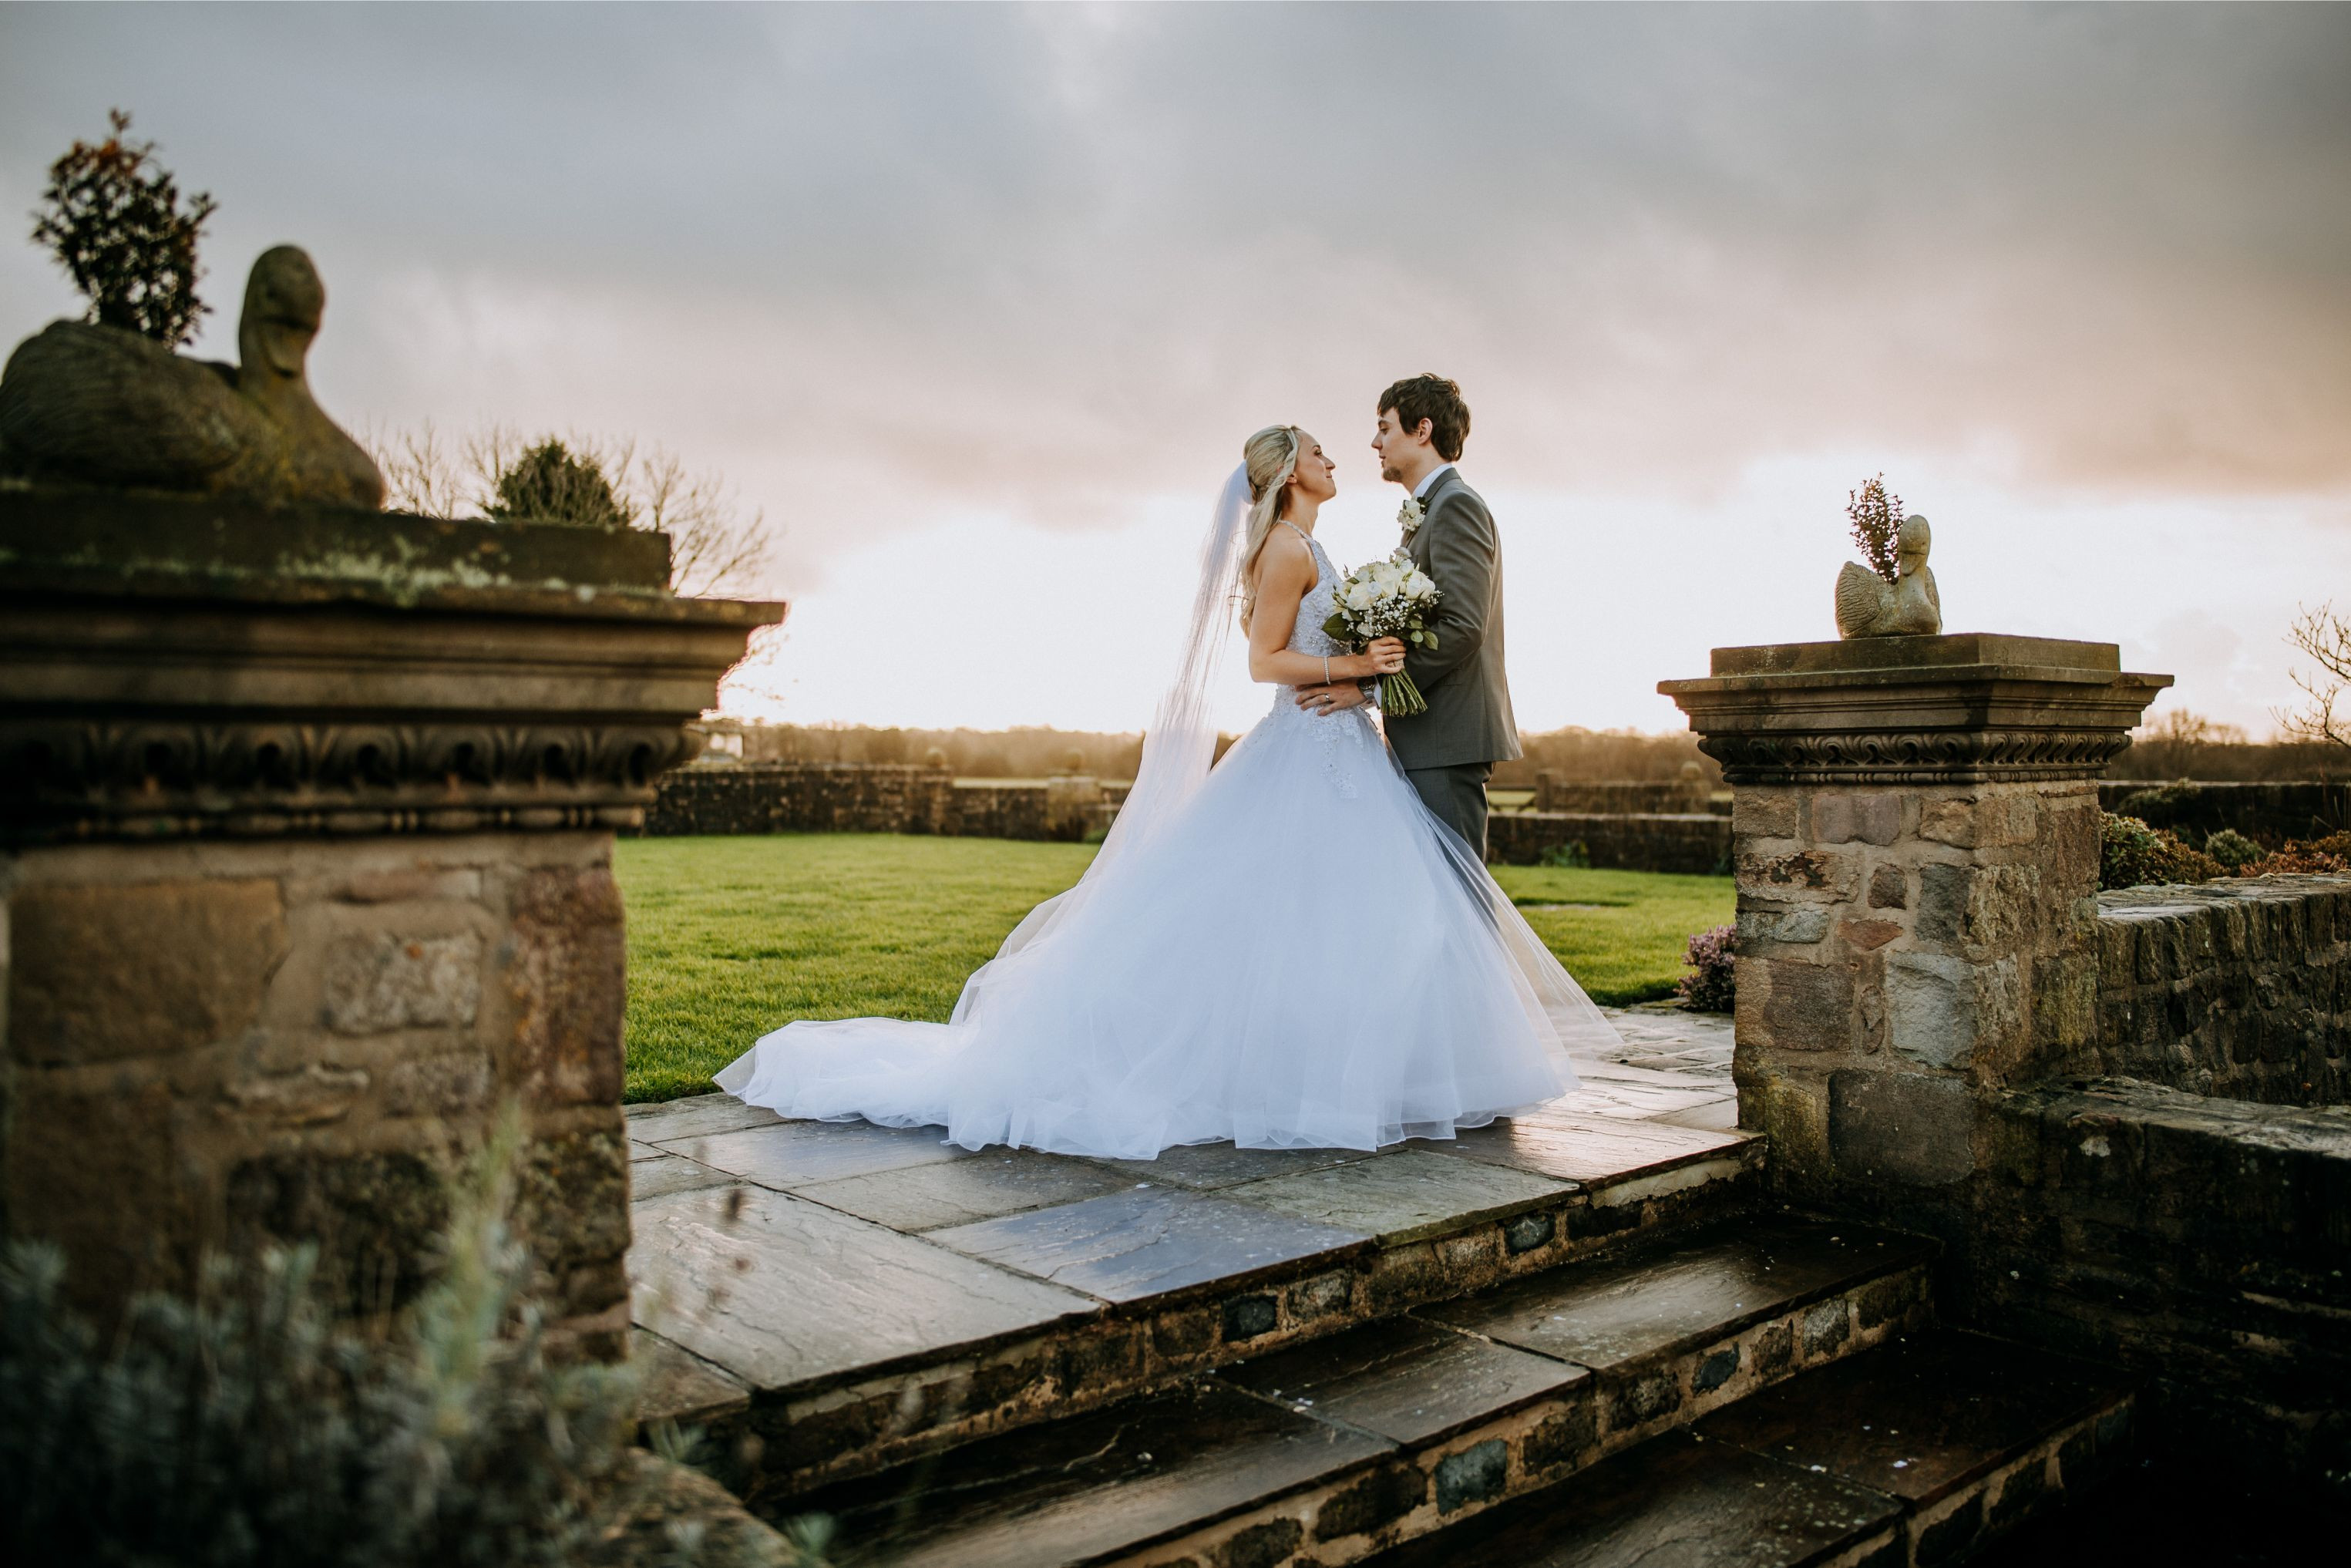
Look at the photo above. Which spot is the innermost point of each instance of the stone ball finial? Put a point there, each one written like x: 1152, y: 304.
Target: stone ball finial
x: 1909, y: 606
x: 106, y: 406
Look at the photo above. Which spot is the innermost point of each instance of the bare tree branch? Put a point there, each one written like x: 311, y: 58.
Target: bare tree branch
x: 714, y: 546
x: 2323, y: 637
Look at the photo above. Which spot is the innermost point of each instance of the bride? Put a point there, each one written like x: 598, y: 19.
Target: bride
x: 1286, y: 951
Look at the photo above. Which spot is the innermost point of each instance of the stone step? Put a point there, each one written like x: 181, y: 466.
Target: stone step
x: 1328, y: 1451
x: 832, y: 1299
x: 1922, y: 1451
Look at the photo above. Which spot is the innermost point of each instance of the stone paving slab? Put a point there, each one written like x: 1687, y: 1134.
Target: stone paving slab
x: 1634, y: 1309
x: 1095, y: 1488
x: 1207, y: 1166
x: 683, y: 1387
x: 1588, y: 1150
x: 1405, y: 1379
x: 788, y: 1155
x: 1403, y: 1196
x: 780, y: 1290
x: 1922, y: 1417
x: 992, y: 1182
x: 665, y: 1172
x: 1674, y: 1501
x: 1149, y: 1241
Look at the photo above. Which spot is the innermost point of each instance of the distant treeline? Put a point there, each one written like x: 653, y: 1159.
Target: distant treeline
x: 2226, y: 762
x: 2161, y: 753
x: 1038, y: 753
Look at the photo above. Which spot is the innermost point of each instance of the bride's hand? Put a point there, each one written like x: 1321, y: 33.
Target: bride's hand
x: 1385, y: 656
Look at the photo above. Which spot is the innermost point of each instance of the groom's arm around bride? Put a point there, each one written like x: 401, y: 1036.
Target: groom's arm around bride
x: 1449, y: 751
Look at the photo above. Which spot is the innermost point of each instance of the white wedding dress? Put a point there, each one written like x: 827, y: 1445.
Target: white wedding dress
x: 1288, y: 952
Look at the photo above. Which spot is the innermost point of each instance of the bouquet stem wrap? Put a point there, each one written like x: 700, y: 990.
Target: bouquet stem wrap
x: 1399, y: 696
x: 1391, y: 597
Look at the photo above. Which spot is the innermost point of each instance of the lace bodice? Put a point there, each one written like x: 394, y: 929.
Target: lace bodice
x: 1308, y: 637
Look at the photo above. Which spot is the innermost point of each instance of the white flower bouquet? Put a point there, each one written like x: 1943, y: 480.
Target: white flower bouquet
x: 1389, y: 598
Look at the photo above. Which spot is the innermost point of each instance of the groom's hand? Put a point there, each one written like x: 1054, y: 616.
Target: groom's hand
x: 1337, y: 698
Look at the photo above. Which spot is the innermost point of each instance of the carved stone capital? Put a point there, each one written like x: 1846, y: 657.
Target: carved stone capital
x: 1962, y: 709
x: 256, y: 678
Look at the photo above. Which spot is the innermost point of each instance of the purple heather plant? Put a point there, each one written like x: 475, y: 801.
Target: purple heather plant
x: 1710, y: 987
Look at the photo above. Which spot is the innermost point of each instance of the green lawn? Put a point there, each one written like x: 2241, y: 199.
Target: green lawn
x: 730, y: 937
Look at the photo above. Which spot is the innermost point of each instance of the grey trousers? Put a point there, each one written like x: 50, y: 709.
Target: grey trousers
x: 1457, y: 794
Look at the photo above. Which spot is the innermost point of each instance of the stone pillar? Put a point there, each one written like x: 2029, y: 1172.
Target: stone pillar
x: 306, y: 825
x: 1915, y: 843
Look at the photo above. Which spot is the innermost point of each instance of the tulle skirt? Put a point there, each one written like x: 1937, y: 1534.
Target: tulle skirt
x: 1303, y: 959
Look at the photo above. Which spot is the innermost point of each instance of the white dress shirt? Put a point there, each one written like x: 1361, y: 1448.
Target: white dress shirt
x: 1421, y: 489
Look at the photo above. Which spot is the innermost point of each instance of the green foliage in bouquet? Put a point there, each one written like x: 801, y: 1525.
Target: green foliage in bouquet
x: 252, y: 1424
x: 1391, y: 597
x: 2132, y: 854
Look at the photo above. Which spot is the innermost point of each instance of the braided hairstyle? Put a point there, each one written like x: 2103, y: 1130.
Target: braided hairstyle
x: 1270, y: 457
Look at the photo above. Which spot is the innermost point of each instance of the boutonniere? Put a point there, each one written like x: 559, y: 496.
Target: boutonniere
x: 1410, y: 515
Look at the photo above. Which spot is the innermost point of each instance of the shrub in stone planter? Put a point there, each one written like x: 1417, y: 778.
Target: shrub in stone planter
x: 251, y: 1423
x: 2132, y: 854
x: 1709, y: 987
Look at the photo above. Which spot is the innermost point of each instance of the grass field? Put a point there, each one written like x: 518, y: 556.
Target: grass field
x: 730, y: 937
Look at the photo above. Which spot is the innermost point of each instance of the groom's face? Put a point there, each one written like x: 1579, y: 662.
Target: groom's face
x: 1400, y: 450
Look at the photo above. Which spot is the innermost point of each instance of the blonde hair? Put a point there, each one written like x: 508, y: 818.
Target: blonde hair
x: 1269, y: 457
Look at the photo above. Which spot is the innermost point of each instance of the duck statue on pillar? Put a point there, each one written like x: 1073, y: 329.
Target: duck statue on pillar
x: 1869, y: 606
x: 103, y: 405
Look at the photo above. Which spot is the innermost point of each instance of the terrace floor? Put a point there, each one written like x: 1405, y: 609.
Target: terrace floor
x: 857, y: 1283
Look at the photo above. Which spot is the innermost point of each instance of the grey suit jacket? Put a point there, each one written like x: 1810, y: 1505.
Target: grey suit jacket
x: 1468, y: 717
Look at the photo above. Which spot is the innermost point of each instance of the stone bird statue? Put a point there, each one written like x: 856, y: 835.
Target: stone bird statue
x: 106, y: 406
x: 1869, y: 606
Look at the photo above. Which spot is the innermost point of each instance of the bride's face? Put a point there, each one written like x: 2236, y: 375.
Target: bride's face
x: 1314, y: 475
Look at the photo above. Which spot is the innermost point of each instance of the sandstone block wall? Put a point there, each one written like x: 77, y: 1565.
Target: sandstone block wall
x: 2235, y: 988
x: 1693, y: 844
x: 212, y: 1044
x: 1899, y: 949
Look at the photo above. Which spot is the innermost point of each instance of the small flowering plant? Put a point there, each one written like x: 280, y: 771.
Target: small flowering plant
x: 1391, y: 597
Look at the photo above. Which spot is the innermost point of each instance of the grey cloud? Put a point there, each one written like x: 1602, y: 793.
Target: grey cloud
x: 1044, y: 257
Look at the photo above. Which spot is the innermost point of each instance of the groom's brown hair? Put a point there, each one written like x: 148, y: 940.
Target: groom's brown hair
x: 1436, y: 400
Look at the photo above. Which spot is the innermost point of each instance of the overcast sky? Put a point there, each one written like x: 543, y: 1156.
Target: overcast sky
x: 978, y: 302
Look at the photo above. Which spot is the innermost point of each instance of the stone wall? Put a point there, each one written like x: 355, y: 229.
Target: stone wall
x: 301, y: 1041
x: 2239, y: 988
x: 804, y: 797
x: 1694, y: 845
x: 874, y: 798
x: 1617, y: 798
x: 2269, y: 812
x: 2199, y: 1241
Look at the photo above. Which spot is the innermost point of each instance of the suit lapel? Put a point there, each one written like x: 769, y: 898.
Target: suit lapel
x: 1417, y: 545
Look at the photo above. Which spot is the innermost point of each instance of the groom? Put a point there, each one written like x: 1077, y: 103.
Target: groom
x: 1449, y: 751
